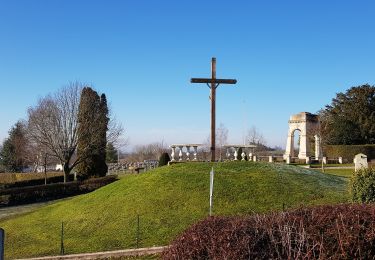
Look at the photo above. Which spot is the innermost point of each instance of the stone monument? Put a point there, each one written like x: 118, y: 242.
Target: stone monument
x: 308, y: 124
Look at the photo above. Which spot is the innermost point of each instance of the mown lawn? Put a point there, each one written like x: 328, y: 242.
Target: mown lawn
x: 167, y: 200
x: 346, y: 173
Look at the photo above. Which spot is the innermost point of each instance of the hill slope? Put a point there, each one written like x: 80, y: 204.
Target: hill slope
x: 167, y: 200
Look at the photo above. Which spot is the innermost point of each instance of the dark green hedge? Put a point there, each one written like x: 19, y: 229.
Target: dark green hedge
x: 349, y: 151
x: 31, y: 194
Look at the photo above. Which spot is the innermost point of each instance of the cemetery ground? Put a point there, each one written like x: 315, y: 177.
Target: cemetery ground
x: 167, y: 200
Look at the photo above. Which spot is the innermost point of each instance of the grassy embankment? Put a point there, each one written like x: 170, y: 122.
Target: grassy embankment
x: 168, y: 200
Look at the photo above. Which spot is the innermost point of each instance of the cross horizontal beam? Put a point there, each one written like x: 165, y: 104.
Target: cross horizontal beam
x: 215, y: 81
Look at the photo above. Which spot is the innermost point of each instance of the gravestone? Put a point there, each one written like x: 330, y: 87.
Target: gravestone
x: 360, y: 162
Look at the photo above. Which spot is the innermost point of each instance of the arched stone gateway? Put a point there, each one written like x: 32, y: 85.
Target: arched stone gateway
x: 308, y: 124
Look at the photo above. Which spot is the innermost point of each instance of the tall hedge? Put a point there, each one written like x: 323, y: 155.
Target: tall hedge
x: 349, y: 151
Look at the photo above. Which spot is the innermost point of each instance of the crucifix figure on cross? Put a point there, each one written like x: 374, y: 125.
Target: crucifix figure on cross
x: 213, y: 83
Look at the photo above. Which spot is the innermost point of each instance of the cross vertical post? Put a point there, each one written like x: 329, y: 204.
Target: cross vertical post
x: 213, y: 83
x: 213, y: 109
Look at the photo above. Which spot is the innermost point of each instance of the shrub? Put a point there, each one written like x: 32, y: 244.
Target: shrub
x: 239, y: 157
x: 164, y: 159
x: 36, y: 182
x: 31, y: 194
x: 324, y: 232
x: 363, y: 185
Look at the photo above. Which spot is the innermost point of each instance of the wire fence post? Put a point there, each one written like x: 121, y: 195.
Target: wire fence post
x: 62, y: 250
x: 2, y: 238
x: 137, y: 231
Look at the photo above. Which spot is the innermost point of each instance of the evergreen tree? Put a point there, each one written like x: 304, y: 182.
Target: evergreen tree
x: 164, y: 159
x: 111, y: 154
x: 101, y: 166
x: 350, y: 118
x: 92, y: 129
x: 239, y: 157
x: 13, y: 151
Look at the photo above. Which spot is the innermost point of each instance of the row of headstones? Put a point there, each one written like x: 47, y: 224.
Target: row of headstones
x: 125, y: 166
x: 360, y: 161
x: 288, y: 160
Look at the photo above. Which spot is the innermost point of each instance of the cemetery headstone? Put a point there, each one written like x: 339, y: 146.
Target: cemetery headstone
x: 360, y: 162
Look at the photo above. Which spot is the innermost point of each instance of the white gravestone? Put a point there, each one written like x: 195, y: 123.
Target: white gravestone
x: 360, y: 162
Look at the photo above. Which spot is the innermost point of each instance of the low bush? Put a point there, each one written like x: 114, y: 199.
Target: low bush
x: 344, y: 231
x: 37, y: 181
x: 11, y: 178
x: 31, y: 194
x: 362, y: 185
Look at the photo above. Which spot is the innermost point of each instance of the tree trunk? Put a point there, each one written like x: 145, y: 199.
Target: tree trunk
x: 67, y: 170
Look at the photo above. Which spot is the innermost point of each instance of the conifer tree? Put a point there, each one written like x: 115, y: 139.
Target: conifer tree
x: 92, y: 129
x: 13, y: 152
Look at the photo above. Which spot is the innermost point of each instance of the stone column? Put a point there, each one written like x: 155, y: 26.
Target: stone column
x: 303, y: 146
x: 173, y: 153
x: 236, y: 153
x: 317, y: 147
x: 250, y: 156
x: 180, y: 153
x: 289, y: 150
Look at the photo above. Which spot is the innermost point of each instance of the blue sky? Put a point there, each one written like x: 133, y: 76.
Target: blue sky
x: 288, y: 57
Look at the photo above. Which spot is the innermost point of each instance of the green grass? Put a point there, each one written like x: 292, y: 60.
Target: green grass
x: 168, y: 200
x: 332, y: 165
x: 346, y: 173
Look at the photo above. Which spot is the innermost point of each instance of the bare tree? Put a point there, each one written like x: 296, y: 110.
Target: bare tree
x: 221, y: 138
x: 148, y: 152
x: 115, y: 131
x: 255, y: 137
x: 53, y: 124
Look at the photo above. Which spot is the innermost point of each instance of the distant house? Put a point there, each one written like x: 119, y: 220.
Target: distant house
x: 58, y: 167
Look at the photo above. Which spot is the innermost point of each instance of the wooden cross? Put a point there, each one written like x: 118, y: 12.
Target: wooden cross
x: 213, y: 83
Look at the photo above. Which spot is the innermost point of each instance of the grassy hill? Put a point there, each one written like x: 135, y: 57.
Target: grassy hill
x: 167, y: 200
